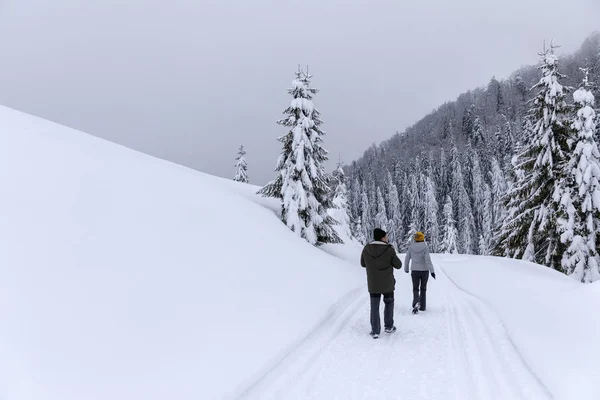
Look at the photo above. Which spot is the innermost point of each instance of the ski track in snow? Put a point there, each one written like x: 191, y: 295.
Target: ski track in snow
x: 457, y: 349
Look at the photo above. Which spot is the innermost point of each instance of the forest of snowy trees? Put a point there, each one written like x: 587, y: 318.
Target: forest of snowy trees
x: 509, y: 170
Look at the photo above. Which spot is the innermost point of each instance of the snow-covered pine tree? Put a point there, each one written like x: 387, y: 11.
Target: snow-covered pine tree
x: 499, y: 140
x: 477, y: 132
x: 446, y: 129
x: 241, y: 167
x: 467, y: 122
x: 405, y: 205
x: 432, y: 228
x: 521, y: 87
x: 360, y: 234
x: 301, y: 180
x: 466, y: 167
x: 505, y: 142
x: 355, y: 208
x: 466, y: 222
x: 414, y: 200
x: 443, y: 183
x: 579, y: 197
x: 398, y: 174
x: 530, y: 231
x: 450, y: 234
x: 395, y: 228
x: 331, y: 183
x: 498, y: 189
x: 514, y: 238
x: 509, y: 141
x: 365, y: 220
x: 486, y: 235
x: 410, y: 236
x: 372, y: 194
x: 454, y: 169
x: 476, y: 189
x: 381, y: 219
x: 422, y: 184
x: 340, y: 210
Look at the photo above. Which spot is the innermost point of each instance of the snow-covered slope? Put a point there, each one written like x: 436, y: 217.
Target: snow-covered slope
x: 127, y: 277
x: 552, y: 319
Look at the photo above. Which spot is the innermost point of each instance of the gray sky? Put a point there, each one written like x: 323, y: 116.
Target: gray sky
x: 191, y: 80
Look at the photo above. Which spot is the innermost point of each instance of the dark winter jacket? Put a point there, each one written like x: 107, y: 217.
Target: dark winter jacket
x: 419, y: 254
x: 380, y: 259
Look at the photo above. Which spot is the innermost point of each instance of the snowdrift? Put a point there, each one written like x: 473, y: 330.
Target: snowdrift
x: 128, y: 277
x: 552, y: 320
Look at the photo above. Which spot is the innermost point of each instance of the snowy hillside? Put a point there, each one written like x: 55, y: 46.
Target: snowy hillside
x: 128, y: 277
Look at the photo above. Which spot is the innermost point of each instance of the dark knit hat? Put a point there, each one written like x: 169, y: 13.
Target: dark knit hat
x: 379, y: 234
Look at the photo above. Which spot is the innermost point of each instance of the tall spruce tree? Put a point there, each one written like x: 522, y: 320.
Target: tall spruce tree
x: 405, y: 205
x: 486, y: 233
x: 498, y: 190
x: 301, y: 180
x: 476, y: 189
x: 464, y: 212
x: 381, y: 218
x: 477, y: 133
x: 432, y: 228
x: 507, y: 149
x: 372, y: 194
x: 409, y: 238
x: 443, y: 182
x: 341, y: 210
x: 414, y: 200
x: 365, y: 219
x: 450, y: 233
x: 467, y: 122
x: 355, y: 207
x: 395, y: 228
x: 579, y: 196
x: 241, y: 167
x: 530, y: 231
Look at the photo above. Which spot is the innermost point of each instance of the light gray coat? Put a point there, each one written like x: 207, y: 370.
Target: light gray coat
x: 419, y: 254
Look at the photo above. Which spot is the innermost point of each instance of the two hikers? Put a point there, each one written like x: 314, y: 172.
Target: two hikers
x: 379, y: 259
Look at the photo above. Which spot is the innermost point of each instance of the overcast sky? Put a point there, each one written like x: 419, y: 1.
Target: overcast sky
x: 191, y: 80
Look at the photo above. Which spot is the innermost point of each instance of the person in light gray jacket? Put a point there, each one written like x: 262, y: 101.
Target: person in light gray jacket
x: 421, y: 266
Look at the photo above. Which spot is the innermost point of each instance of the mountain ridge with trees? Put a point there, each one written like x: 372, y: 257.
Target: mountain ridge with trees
x: 455, y: 169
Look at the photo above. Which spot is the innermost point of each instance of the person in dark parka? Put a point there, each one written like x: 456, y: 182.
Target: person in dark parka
x: 421, y: 266
x: 379, y: 258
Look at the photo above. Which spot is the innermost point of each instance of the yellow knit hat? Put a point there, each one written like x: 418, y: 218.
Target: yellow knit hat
x: 419, y: 237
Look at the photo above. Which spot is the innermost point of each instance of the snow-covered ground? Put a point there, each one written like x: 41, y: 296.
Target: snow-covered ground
x: 457, y: 349
x: 127, y: 277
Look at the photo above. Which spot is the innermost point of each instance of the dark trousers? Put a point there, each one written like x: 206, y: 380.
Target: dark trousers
x: 388, y: 312
x: 419, y: 281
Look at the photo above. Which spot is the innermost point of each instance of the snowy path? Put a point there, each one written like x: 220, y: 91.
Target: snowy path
x: 457, y: 349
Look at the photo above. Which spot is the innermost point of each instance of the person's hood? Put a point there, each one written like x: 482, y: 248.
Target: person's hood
x: 418, y: 247
x: 376, y: 249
